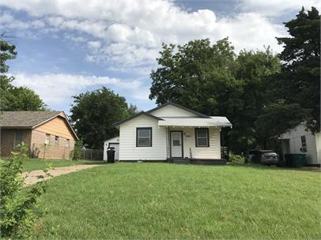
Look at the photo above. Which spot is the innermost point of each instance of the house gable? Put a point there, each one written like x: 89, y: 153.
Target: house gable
x: 57, y: 126
x: 175, y: 110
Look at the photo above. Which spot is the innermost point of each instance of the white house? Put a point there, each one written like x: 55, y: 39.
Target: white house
x: 171, y: 132
x: 301, y: 140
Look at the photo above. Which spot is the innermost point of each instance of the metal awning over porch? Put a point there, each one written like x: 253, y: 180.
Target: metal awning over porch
x: 195, y: 122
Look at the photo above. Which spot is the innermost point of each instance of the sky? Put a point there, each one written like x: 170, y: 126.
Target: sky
x: 66, y: 47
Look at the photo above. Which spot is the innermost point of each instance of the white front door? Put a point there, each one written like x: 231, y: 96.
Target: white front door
x: 176, y: 144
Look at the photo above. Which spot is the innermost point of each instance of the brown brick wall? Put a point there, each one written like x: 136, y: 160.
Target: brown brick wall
x: 54, y: 149
x: 8, y: 140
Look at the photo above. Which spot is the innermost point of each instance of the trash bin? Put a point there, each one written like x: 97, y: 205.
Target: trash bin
x: 111, y: 155
x: 295, y: 160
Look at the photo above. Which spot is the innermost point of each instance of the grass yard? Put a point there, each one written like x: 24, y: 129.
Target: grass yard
x: 155, y: 200
x: 40, y: 164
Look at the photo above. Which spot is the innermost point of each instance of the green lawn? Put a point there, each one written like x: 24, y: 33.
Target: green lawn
x: 37, y: 164
x: 153, y: 201
x: 40, y: 164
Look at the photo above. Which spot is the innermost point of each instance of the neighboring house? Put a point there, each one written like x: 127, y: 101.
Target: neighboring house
x: 47, y: 134
x: 171, y: 132
x: 113, y: 142
x: 301, y: 140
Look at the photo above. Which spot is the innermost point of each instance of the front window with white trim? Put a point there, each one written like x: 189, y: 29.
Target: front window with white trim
x: 144, y: 137
x: 201, y: 137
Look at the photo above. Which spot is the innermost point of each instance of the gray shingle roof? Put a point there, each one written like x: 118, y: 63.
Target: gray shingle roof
x: 24, y: 119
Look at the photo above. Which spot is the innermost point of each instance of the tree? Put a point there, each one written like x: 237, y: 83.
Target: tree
x: 299, y: 81
x: 212, y: 79
x: 197, y: 75
x: 94, y: 114
x: 14, y: 98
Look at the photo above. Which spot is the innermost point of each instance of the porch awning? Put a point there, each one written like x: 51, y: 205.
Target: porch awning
x: 196, y: 122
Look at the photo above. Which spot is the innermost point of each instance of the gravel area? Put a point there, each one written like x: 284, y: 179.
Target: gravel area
x: 35, y: 176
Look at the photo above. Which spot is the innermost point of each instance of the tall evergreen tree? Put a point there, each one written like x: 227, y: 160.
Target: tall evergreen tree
x: 299, y: 80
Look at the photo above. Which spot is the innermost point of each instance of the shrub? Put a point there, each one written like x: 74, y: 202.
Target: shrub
x: 76, y: 153
x: 237, y: 159
x: 17, y: 203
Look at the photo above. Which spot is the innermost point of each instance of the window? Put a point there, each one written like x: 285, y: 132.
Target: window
x: 303, y: 144
x: 47, y: 140
x: 201, y: 137
x: 143, y: 137
x: 18, y: 139
x: 56, y: 140
x: 68, y: 143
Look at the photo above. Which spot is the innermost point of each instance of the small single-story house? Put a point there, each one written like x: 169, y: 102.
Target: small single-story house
x: 47, y: 134
x: 112, y: 142
x: 171, y: 132
x: 302, y: 140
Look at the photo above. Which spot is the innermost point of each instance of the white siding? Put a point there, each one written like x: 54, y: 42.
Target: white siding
x: 106, y: 144
x: 191, y: 151
x: 127, y: 147
x: 294, y: 137
x: 172, y: 111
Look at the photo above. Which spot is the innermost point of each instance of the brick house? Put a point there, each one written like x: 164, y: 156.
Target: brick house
x: 48, y: 134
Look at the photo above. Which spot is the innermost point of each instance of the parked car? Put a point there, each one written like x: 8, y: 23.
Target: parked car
x: 267, y: 157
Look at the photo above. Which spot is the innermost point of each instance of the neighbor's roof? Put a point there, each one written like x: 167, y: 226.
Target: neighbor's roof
x: 25, y: 119
x: 29, y: 119
x: 196, y: 122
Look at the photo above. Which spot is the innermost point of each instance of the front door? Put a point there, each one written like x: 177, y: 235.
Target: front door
x: 176, y: 144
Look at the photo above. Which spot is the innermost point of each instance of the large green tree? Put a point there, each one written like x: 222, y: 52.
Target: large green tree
x: 212, y: 79
x: 14, y: 98
x: 299, y: 81
x: 94, y: 114
x: 295, y: 91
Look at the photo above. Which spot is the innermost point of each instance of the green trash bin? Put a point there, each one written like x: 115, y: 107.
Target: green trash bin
x: 295, y: 160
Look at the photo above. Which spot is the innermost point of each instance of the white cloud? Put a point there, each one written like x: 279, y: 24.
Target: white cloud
x: 58, y: 89
x: 128, y: 33
x: 277, y: 7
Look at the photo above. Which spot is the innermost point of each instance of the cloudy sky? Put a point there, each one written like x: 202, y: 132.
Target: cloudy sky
x: 66, y: 47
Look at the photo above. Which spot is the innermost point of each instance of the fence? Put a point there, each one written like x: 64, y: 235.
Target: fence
x: 91, y: 154
x: 62, y: 152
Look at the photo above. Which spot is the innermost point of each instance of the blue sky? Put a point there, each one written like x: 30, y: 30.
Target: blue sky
x: 66, y: 47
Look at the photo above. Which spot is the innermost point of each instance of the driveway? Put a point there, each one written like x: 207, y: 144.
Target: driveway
x: 35, y: 176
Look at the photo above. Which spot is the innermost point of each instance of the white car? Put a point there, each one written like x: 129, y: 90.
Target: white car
x: 264, y: 156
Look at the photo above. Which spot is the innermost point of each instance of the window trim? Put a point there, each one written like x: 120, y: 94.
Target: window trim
x: 208, y: 138
x: 151, y: 135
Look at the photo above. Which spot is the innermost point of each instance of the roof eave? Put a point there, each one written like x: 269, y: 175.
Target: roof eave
x: 117, y: 124
x: 179, y: 106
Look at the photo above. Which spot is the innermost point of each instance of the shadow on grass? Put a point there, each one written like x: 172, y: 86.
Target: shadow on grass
x: 274, y: 167
x: 92, y: 162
